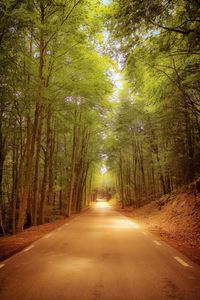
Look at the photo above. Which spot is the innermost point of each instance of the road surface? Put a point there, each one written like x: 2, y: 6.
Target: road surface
x: 100, y: 255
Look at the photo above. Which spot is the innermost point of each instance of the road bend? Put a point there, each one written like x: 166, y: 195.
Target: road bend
x: 99, y: 255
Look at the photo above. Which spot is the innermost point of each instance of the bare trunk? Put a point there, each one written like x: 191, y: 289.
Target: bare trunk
x: 44, y: 191
x: 51, y: 173
x: 14, y: 183
x: 121, y: 180
x: 37, y: 169
x: 28, y: 175
x: 73, y: 164
x: 2, y: 160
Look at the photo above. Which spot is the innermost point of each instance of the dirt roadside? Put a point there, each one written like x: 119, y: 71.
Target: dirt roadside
x: 12, y: 244
x: 175, y: 219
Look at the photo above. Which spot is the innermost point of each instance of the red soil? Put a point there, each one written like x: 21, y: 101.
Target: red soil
x: 175, y: 218
x: 12, y: 244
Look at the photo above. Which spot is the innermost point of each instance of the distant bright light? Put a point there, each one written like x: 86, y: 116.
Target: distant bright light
x: 102, y: 204
x: 103, y: 170
x: 105, y: 1
x: 117, y: 80
x: 104, y: 136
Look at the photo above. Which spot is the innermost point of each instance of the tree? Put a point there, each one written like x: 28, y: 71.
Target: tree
x: 55, y: 75
x: 158, y: 116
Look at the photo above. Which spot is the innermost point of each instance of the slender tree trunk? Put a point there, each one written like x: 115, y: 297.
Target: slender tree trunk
x: 44, y: 192
x: 121, y: 180
x: 61, y: 200
x: 51, y: 173
x: 153, y: 187
x: 82, y: 188
x: 29, y: 169
x: 14, y: 183
x: 135, y: 162
x: 2, y: 160
x: 80, y: 170
x: 156, y: 151
x: 37, y: 169
x: 142, y: 171
x: 190, y: 149
x: 73, y: 164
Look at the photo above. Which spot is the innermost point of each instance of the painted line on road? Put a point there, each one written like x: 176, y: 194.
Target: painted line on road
x: 48, y: 236
x: 157, y: 243
x: 181, y: 261
x: 28, y: 248
x: 2, y: 265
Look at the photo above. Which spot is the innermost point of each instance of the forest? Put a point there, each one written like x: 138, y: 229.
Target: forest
x: 87, y: 85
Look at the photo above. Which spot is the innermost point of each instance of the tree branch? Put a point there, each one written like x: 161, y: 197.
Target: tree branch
x: 181, y: 31
x: 62, y: 22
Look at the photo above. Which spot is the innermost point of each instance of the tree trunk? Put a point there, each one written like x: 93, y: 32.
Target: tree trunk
x: 14, y: 183
x: 44, y: 191
x: 190, y: 148
x: 51, y: 173
x: 121, y: 180
x: 37, y: 169
x: 30, y: 154
x: 73, y: 163
x: 29, y: 168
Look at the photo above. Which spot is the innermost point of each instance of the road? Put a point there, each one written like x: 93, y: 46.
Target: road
x: 99, y: 255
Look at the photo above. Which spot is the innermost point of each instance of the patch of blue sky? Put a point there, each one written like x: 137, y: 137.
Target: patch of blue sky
x: 106, y: 1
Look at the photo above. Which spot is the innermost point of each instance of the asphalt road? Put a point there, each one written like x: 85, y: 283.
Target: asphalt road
x: 100, y: 255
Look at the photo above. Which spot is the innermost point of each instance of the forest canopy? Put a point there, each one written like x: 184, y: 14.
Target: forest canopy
x: 157, y: 129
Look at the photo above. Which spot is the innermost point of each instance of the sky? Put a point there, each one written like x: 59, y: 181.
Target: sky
x: 106, y: 1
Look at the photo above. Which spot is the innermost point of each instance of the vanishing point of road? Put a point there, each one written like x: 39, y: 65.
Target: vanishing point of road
x: 99, y: 255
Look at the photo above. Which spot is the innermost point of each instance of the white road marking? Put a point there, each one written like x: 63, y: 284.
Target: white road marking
x: 28, y: 248
x: 181, y: 261
x: 2, y: 265
x: 157, y: 243
x: 48, y: 236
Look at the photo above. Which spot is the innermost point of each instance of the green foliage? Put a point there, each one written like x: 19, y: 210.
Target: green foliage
x: 55, y: 97
x: 156, y: 147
